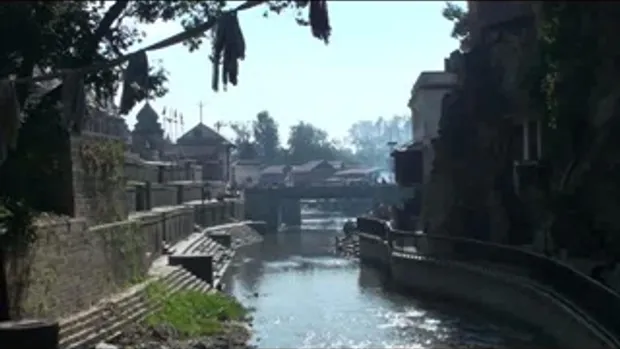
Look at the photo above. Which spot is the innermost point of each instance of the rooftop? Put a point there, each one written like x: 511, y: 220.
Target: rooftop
x: 202, y: 134
x: 357, y: 172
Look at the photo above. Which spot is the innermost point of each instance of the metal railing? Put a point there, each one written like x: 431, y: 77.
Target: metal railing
x: 600, y: 303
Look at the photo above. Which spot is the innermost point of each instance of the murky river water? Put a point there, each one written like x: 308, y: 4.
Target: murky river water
x: 304, y: 296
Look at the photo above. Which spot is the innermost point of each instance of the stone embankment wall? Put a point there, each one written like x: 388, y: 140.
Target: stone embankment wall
x: 74, y: 265
x: 120, y: 212
x: 514, y: 296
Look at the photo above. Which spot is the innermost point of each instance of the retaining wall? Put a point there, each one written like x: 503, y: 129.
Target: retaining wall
x: 72, y: 266
x: 517, y: 297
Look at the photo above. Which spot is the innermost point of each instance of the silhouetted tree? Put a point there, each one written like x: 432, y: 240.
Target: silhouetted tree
x: 267, y: 137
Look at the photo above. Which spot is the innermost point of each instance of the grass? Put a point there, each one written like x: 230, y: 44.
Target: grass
x: 193, y: 313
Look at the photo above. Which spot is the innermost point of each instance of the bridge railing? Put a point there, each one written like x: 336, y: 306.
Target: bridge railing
x: 589, y: 296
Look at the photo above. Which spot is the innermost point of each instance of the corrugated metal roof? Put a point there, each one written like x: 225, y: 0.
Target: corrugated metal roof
x: 357, y: 171
x: 309, y: 166
x: 274, y: 169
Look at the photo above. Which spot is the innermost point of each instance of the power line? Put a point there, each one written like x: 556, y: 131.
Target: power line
x: 172, y: 40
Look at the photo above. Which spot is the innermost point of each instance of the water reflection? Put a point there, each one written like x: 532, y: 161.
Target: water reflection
x: 304, y: 296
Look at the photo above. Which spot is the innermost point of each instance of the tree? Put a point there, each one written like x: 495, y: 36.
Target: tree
x: 370, y: 138
x: 459, y: 17
x: 54, y: 36
x: 246, y: 149
x: 267, y: 137
x: 67, y: 36
x: 307, y: 142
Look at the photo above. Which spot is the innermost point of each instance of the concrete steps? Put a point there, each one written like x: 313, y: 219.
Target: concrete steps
x: 110, y: 317
x: 222, y: 256
x: 108, y: 320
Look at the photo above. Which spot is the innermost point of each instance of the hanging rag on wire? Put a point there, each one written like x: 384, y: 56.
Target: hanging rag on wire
x: 228, y: 49
x: 73, y: 100
x: 135, y: 82
x: 319, y: 20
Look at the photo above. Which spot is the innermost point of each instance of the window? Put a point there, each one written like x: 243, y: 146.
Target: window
x: 517, y: 142
x: 526, y: 143
x: 534, y: 140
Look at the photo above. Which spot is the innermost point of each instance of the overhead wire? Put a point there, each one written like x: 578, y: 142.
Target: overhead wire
x: 167, y: 42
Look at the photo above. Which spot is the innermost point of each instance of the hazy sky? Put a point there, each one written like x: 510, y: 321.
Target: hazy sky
x: 376, y: 52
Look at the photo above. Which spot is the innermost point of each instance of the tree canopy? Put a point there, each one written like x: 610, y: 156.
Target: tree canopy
x: 307, y: 142
x: 370, y: 138
x: 70, y: 50
x: 267, y: 137
x: 459, y: 17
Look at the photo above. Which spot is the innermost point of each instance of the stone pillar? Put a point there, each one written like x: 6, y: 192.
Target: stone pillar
x: 290, y: 210
x: 259, y: 207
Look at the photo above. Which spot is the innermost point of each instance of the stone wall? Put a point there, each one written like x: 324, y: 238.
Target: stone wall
x: 73, y: 266
x: 513, y: 296
x: 142, y: 196
x: 217, y: 212
x: 98, y: 186
x: 163, y: 195
x: 501, y: 293
x: 137, y: 170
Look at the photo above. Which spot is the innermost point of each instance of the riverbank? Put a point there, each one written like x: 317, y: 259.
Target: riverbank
x: 348, y: 245
x: 189, y: 320
x: 193, y: 314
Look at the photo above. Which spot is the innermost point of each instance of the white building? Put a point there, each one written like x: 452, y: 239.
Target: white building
x: 245, y: 173
x: 425, y: 104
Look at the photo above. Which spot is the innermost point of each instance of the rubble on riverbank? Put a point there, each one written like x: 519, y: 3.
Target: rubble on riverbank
x: 348, y: 245
x: 244, y: 235
x: 140, y: 336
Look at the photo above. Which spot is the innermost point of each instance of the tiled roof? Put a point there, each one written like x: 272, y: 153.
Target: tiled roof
x: 202, y: 133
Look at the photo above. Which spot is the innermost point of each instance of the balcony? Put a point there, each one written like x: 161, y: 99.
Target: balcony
x: 408, y: 165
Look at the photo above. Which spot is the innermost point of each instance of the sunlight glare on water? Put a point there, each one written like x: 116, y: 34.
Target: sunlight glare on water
x: 304, y: 296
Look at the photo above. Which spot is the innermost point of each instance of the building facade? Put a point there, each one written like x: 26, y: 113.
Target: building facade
x: 275, y: 175
x: 312, y: 172
x: 425, y: 104
x: 245, y: 173
x: 209, y: 149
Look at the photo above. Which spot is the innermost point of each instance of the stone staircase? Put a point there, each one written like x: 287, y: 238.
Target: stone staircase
x: 222, y: 256
x: 107, y: 320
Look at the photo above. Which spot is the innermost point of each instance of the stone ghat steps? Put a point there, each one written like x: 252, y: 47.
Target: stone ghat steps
x: 110, y: 318
x: 244, y: 235
x: 222, y: 256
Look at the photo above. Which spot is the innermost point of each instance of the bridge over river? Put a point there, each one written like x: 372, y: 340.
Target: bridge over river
x: 276, y: 205
x: 305, y: 296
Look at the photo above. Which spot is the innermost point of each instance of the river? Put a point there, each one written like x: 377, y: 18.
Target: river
x: 304, y: 296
